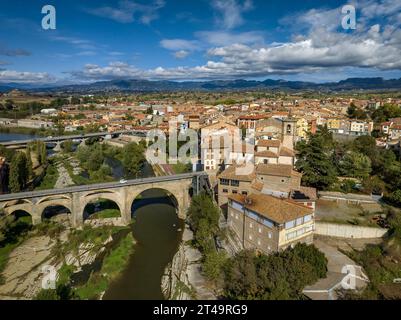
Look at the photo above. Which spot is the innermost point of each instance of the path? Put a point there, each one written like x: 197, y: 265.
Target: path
x: 325, y: 288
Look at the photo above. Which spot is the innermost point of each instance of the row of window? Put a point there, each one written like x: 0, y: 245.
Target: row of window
x: 226, y: 182
x: 298, y: 222
x: 251, y: 225
x: 235, y: 192
x: 297, y: 233
x: 259, y: 242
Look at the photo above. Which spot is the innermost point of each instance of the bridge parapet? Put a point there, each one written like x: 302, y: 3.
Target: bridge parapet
x: 75, y: 199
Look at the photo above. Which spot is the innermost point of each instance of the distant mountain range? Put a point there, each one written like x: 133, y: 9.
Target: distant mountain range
x: 216, y: 85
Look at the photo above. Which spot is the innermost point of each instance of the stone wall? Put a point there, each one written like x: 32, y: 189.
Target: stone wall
x: 348, y: 231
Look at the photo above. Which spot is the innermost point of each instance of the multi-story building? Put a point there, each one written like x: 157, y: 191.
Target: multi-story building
x: 269, y: 224
x: 272, y: 151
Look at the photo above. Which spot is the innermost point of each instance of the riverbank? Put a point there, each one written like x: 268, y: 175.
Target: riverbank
x: 86, y: 260
x: 183, y: 278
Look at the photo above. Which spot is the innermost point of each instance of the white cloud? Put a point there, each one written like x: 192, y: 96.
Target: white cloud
x: 179, y: 44
x: 182, y: 54
x: 13, y: 52
x: 130, y: 11
x: 223, y: 38
x: 24, y: 77
x: 230, y: 12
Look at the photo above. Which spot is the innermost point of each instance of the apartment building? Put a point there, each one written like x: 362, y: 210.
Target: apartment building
x: 268, y: 224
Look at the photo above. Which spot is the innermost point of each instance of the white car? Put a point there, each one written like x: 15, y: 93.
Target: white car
x: 123, y: 181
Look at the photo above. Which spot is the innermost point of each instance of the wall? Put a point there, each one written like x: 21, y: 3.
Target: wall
x: 348, y: 231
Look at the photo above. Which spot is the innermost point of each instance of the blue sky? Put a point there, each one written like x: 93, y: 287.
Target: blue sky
x: 198, y: 39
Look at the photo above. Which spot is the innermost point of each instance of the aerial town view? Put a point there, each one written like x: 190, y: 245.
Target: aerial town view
x: 212, y: 150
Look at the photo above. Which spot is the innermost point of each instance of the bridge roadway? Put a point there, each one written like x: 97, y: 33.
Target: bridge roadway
x: 71, y: 137
x: 98, y: 186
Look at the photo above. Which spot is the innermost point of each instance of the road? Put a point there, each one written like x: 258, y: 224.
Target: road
x: 98, y: 186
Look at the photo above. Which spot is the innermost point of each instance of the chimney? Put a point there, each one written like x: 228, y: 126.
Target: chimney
x: 248, y: 200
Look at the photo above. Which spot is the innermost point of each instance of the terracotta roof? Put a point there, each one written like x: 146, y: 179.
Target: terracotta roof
x: 266, y: 154
x: 275, y: 209
x: 230, y: 173
x: 304, y: 193
x: 286, y: 152
x: 253, y: 117
x: 283, y: 170
x: 269, y: 143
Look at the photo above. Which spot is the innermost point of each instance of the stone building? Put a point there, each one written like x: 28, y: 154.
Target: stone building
x: 269, y: 224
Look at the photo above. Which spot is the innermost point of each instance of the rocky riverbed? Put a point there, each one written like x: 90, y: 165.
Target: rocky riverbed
x: 27, y: 263
x: 183, y: 279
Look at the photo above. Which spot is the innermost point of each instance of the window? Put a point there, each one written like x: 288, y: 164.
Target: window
x: 244, y: 193
x: 269, y: 235
x: 235, y: 191
x: 251, y: 225
x: 290, y: 224
x: 269, y: 248
x: 258, y: 242
x: 265, y: 161
x: 300, y: 221
x: 224, y: 182
x: 308, y: 218
x: 236, y: 216
x: 250, y: 237
x: 225, y: 190
x: 237, y: 206
x: 260, y: 230
x: 235, y: 183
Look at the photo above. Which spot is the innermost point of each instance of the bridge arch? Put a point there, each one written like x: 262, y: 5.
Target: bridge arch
x: 96, y: 197
x: 160, y: 194
x: 177, y: 193
x: 58, y: 211
x: 101, y: 208
x: 61, y: 197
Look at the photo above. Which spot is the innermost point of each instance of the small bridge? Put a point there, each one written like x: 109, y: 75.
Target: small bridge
x: 76, y: 198
x: 80, y: 137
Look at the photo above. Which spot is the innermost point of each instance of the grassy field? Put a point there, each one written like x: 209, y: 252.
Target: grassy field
x: 343, y: 213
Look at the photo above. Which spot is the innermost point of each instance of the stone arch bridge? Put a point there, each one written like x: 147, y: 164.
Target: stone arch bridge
x: 76, y: 198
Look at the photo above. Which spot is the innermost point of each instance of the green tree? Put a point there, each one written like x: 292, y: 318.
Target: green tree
x: 314, y: 161
x: 213, y: 264
x: 203, y: 216
x: 68, y: 146
x: 29, y: 165
x: 355, y: 164
x: 133, y: 158
x: 281, y: 275
x: 18, y: 172
x: 96, y: 158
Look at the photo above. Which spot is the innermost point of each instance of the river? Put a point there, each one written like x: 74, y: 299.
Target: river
x: 158, y: 232
x: 15, y: 136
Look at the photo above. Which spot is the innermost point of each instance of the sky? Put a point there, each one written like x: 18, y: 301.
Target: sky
x: 198, y: 40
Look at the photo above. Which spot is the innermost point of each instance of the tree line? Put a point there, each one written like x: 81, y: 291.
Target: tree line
x: 321, y: 159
